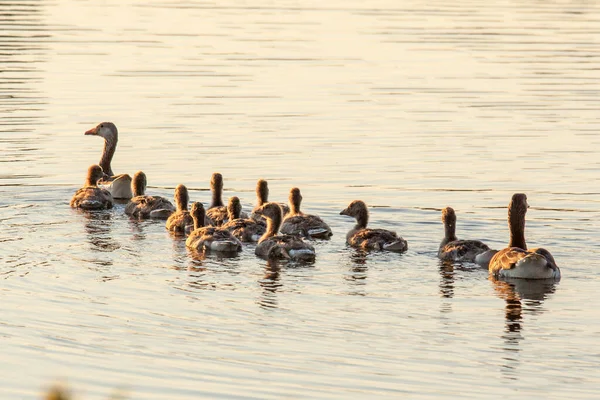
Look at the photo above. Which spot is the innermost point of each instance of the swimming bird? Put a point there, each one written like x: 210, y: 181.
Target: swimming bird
x: 245, y: 229
x: 181, y: 218
x: 516, y: 261
x: 90, y: 196
x: 144, y: 206
x: 118, y: 185
x: 370, y: 239
x: 272, y: 246
x: 262, y: 196
x: 305, y: 225
x: 452, y: 249
x: 216, y: 215
x: 210, y: 237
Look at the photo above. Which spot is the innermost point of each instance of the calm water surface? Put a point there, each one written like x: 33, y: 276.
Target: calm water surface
x: 410, y: 106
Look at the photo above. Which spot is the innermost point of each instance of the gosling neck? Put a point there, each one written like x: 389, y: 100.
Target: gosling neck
x: 362, y: 219
x: 217, y: 200
x: 89, y: 181
x: 198, y: 220
x: 273, y: 225
x: 295, y: 206
x: 110, y: 145
x: 233, y: 212
x: 181, y: 201
x: 262, y: 194
x: 138, y: 188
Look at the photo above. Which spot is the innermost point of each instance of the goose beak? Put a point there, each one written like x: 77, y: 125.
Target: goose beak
x: 93, y: 131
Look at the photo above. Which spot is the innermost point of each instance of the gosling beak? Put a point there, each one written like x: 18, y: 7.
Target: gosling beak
x: 93, y: 131
x: 344, y: 212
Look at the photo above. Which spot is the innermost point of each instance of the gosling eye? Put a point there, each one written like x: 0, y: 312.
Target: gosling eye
x: 101, y: 126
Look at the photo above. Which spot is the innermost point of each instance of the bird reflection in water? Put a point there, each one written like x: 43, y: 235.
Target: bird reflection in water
x: 98, y: 227
x: 515, y: 292
x: 270, y: 283
x: 137, y: 229
x: 447, y: 279
x: 204, y: 267
x: 357, y: 274
x: 447, y: 272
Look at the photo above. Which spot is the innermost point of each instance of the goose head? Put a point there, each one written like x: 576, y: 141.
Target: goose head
x: 234, y: 208
x: 138, y: 184
x: 94, y: 174
x: 198, y: 213
x: 262, y: 192
x: 107, y: 130
x: 295, y: 200
x: 181, y: 197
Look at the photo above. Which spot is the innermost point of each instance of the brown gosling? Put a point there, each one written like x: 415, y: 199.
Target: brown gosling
x: 143, y: 206
x: 452, y: 249
x: 370, y: 239
x: 90, y: 196
x: 181, y: 218
x: 245, y: 229
x: 262, y: 197
x: 305, y: 225
x: 273, y: 246
x: 210, y: 238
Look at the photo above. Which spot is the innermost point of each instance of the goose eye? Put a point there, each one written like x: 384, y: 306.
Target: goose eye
x: 101, y: 126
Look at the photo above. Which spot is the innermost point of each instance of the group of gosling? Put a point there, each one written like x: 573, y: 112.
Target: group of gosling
x: 281, y: 231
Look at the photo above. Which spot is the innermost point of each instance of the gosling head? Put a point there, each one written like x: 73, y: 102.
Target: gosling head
x: 216, y: 181
x: 94, y: 174
x: 295, y: 199
x: 198, y: 213
x: 234, y: 208
x: 181, y: 197
x: 449, y: 216
x: 270, y: 211
x: 262, y: 192
x: 355, y: 209
x: 139, y: 183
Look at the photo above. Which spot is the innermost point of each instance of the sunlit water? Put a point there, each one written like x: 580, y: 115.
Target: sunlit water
x: 409, y: 106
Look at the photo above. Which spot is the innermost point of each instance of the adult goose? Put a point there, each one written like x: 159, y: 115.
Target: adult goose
x: 305, y: 225
x: 516, y: 261
x: 210, y: 237
x: 118, y: 185
x: 181, y: 218
x: 452, y: 249
x: 370, y: 239
x: 245, y: 229
x: 273, y: 246
x: 144, y: 206
x: 90, y: 196
x: 262, y: 197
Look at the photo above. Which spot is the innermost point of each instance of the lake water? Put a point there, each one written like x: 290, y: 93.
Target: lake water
x: 410, y: 106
